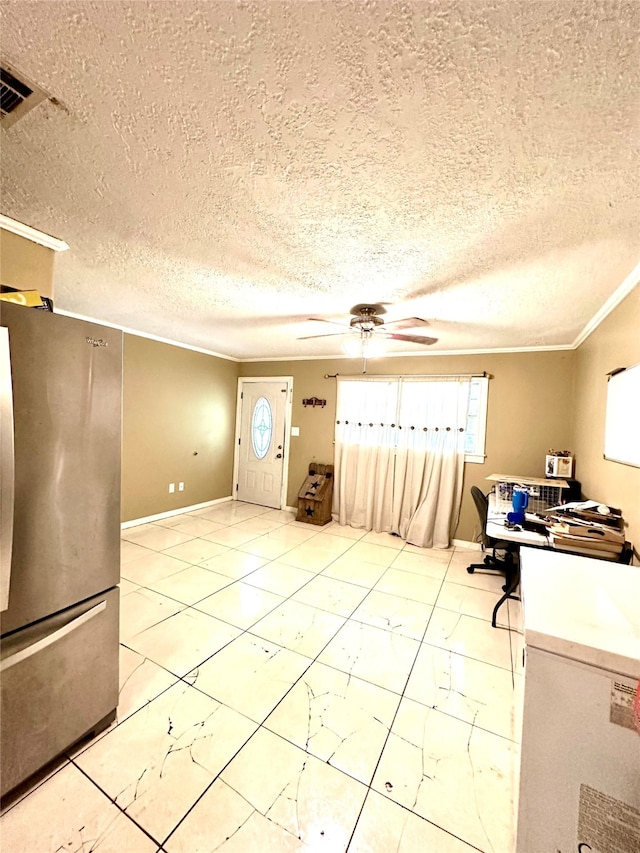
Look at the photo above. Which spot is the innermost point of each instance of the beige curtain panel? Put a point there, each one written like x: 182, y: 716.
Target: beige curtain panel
x: 399, y: 455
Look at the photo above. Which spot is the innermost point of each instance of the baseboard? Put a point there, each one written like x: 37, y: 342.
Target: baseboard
x: 462, y: 543
x: 159, y: 516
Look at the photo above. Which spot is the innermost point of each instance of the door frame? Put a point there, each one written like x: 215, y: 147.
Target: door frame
x: 288, y: 380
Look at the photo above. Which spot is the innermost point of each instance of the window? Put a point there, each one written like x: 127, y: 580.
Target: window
x: 261, y: 427
x: 476, y: 420
x: 376, y: 399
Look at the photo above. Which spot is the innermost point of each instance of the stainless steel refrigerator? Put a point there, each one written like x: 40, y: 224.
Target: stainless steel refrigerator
x: 60, y: 409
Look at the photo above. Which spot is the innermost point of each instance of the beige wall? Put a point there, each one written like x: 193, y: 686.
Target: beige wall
x: 530, y: 411
x: 615, y: 343
x: 176, y: 402
x: 25, y: 265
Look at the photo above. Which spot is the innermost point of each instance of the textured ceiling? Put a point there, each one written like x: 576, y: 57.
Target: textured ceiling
x: 224, y: 171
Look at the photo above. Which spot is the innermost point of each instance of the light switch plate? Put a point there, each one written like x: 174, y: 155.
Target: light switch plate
x: 295, y: 430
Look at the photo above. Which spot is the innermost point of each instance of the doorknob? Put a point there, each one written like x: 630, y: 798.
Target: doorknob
x: 278, y: 455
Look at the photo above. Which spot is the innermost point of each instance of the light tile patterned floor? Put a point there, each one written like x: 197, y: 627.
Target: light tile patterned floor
x: 286, y: 687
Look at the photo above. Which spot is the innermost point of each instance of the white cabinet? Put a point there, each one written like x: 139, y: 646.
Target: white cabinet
x: 580, y: 761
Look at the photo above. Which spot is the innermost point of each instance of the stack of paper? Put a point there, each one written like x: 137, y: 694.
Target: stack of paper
x: 587, y: 528
x: 599, y: 538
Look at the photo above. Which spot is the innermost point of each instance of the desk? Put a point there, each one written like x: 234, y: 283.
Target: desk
x: 496, y: 530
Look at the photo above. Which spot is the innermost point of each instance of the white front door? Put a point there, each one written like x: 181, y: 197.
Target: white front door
x: 261, y: 455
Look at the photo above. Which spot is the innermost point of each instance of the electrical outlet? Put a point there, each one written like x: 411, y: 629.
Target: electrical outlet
x: 172, y: 488
x: 181, y: 487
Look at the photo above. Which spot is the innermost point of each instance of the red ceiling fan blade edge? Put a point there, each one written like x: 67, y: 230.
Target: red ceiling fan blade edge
x: 414, y: 339
x: 407, y: 323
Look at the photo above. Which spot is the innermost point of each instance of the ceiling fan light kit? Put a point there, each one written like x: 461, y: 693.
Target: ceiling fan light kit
x: 364, y: 345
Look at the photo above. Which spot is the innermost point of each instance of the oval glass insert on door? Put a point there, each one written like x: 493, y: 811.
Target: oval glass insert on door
x: 261, y: 427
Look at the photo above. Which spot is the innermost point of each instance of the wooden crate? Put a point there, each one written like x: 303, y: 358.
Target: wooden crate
x: 315, y: 495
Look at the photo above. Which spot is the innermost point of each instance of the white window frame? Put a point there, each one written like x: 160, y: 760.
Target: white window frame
x: 479, y: 456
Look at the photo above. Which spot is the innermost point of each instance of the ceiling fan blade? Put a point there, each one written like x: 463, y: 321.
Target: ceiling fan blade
x: 333, y: 322
x: 329, y: 335
x: 414, y: 339
x: 407, y: 323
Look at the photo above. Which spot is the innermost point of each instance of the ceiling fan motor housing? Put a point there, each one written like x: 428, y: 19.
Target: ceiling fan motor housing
x: 364, y: 309
x: 366, y: 318
x: 365, y: 323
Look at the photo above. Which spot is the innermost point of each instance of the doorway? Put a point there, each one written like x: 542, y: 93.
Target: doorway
x: 263, y: 425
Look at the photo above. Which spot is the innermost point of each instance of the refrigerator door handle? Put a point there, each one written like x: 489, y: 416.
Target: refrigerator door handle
x: 7, y: 468
x: 50, y: 639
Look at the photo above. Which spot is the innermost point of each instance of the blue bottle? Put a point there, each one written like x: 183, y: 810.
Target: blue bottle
x: 520, y: 502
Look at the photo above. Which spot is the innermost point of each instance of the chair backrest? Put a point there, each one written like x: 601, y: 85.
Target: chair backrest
x: 482, y: 505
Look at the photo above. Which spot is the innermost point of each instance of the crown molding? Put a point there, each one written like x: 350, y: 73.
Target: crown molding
x: 631, y: 281
x: 146, y: 335
x: 444, y: 353
x: 32, y: 234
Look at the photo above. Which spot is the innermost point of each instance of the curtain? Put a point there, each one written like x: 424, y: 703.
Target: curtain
x: 399, y: 455
x: 364, y: 449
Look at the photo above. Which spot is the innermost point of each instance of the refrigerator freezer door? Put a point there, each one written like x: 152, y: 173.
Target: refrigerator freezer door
x: 57, y: 684
x: 67, y: 391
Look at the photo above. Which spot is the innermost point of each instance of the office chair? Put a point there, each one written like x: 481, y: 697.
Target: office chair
x: 509, y: 563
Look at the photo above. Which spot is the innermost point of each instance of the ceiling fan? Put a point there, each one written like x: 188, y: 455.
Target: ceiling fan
x: 366, y: 320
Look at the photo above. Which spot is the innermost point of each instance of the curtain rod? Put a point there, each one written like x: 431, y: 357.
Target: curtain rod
x: 484, y: 374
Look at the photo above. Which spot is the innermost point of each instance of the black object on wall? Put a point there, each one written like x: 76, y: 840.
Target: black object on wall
x: 574, y: 492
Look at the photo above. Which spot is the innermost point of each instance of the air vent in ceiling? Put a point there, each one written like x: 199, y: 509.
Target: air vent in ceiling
x: 18, y: 95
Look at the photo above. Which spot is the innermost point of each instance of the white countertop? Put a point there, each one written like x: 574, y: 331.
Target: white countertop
x: 582, y: 608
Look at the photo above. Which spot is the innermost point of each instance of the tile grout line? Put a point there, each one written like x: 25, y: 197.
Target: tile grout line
x: 114, y: 803
x: 349, y: 619
x: 261, y: 725
x: 388, y: 735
